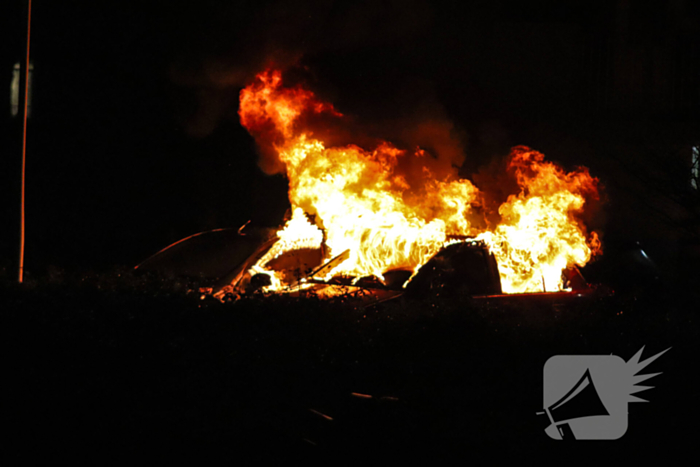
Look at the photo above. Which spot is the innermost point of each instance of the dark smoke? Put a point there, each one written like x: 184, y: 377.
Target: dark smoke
x: 229, y: 44
x: 299, y: 37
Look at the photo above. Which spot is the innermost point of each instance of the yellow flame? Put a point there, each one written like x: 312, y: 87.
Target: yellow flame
x: 363, y: 203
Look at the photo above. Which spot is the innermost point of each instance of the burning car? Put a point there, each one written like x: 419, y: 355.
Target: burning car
x: 463, y: 267
x: 392, y: 221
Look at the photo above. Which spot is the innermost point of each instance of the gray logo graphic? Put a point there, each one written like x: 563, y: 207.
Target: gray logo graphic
x: 586, y: 396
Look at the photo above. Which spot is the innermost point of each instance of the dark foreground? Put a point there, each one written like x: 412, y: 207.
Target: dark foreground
x: 116, y: 368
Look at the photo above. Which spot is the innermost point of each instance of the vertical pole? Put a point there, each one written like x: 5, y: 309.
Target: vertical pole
x: 24, y: 144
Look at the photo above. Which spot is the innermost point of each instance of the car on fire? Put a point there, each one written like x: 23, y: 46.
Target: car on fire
x: 224, y: 259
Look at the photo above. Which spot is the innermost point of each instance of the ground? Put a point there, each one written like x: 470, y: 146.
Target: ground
x: 116, y: 367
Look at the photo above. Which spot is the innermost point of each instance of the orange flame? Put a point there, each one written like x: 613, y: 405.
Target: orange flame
x: 539, y: 236
x: 364, y: 204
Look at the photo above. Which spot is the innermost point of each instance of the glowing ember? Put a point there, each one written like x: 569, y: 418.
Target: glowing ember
x: 365, y: 204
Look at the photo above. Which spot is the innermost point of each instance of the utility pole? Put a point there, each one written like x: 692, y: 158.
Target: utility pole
x: 25, y: 68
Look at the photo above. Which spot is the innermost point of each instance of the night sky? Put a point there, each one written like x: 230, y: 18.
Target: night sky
x: 134, y: 140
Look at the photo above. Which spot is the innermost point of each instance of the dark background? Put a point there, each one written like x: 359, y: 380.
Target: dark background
x: 134, y: 140
x: 134, y: 143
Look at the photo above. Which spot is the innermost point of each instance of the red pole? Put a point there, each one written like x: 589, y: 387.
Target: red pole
x: 24, y: 145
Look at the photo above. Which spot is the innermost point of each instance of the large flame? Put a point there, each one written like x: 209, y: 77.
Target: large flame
x: 539, y: 235
x: 361, y: 201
